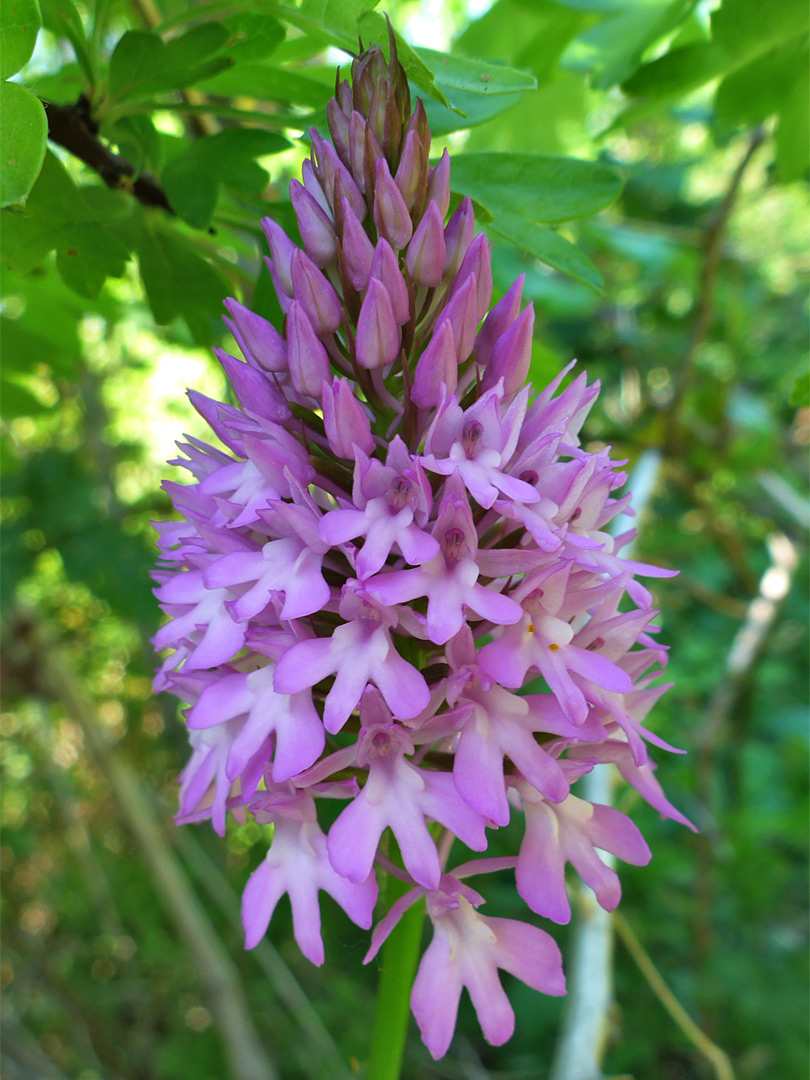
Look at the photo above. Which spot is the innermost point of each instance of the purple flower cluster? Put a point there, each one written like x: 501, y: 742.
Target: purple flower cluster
x: 394, y: 585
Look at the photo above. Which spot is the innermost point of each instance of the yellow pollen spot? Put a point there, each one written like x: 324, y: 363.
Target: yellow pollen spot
x: 553, y: 647
x: 531, y: 627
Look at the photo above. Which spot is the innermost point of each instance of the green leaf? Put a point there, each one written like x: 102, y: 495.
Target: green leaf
x: 141, y: 64
x: 747, y: 28
x: 179, y: 282
x: 614, y: 48
x: 534, y: 187
x: 742, y: 31
x: 793, y: 132
x: 267, y: 83
x: 25, y: 135
x: 756, y: 91
x: 192, y: 179
x: 547, y: 246
x: 135, y: 59
x: 20, y: 21
x: 476, y: 76
x: 58, y: 217
x: 531, y: 36
x: 62, y: 19
x: 470, y: 110
x: 252, y: 36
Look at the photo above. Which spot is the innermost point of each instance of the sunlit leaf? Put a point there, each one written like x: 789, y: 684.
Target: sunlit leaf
x: 25, y: 135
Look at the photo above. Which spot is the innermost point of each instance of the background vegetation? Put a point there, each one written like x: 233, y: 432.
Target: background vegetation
x: 174, y: 127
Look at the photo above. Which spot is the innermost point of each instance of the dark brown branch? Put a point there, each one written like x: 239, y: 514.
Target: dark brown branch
x: 73, y: 128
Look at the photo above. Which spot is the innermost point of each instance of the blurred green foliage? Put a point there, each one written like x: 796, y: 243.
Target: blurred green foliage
x: 687, y: 297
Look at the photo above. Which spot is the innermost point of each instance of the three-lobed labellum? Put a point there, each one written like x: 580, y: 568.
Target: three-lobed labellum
x: 393, y: 546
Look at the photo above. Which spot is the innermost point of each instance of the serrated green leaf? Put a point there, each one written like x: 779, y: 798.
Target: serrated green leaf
x: 193, y: 178
x: 178, y: 282
x: 135, y: 59
x: 142, y: 65
x: 25, y: 135
x: 252, y: 36
x: 57, y: 217
x: 476, y: 76
x: 62, y: 19
x: 547, y: 246
x: 20, y: 21
x: 535, y: 187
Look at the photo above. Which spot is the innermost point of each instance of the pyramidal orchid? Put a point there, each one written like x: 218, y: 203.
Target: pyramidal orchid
x: 394, y: 584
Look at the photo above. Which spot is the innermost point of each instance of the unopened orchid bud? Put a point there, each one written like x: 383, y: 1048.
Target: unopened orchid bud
x: 281, y: 251
x: 458, y: 235
x: 257, y: 337
x: 358, y: 251
x: 377, y: 342
x: 385, y: 267
x: 357, y: 149
x: 477, y: 261
x: 438, y: 364
x: 462, y: 314
x: 391, y: 214
x: 426, y: 252
x: 498, y: 321
x: 255, y: 391
x: 307, y: 357
x: 338, y: 123
x: 316, y: 228
x: 411, y: 174
x: 347, y: 425
x: 314, y: 292
x: 438, y: 188
x: 314, y: 186
x: 512, y: 355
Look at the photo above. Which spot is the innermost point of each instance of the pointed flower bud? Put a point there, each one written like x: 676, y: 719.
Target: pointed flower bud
x: 313, y: 291
x: 458, y: 235
x: 390, y: 210
x: 358, y: 250
x: 438, y: 189
x: 438, y: 364
x: 498, y: 321
x: 426, y: 251
x: 257, y: 338
x: 512, y: 355
x: 345, y: 420
x: 385, y: 267
x: 377, y: 341
x: 317, y: 231
x: 308, y: 359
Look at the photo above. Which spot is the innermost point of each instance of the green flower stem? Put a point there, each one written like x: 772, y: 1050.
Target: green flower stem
x: 398, y: 967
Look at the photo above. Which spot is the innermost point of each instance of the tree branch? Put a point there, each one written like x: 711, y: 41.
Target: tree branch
x: 72, y: 127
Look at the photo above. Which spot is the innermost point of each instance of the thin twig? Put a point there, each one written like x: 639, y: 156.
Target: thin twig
x: 713, y: 1054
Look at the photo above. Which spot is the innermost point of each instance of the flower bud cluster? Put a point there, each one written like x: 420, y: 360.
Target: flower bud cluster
x: 394, y: 586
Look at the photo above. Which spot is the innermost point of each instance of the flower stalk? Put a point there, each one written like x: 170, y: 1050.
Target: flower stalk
x: 394, y: 544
